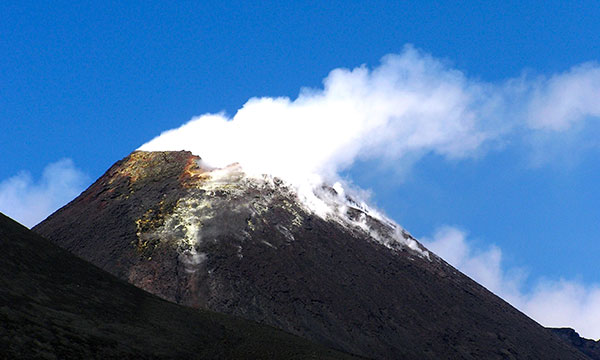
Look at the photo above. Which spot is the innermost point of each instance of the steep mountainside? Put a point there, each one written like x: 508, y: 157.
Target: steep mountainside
x: 340, y: 275
x: 56, y: 306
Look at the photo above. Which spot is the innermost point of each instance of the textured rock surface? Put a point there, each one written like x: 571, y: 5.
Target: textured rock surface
x: 56, y: 306
x: 216, y: 239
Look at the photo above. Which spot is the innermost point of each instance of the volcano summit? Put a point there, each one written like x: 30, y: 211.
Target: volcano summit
x: 317, y: 263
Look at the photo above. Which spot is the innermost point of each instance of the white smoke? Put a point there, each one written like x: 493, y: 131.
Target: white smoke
x: 410, y: 105
x: 557, y: 303
x: 29, y: 201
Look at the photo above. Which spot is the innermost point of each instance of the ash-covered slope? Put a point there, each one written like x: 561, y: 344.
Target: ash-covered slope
x: 54, y: 305
x: 320, y: 266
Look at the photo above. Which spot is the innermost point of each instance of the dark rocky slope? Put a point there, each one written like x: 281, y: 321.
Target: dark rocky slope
x: 248, y: 247
x: 56, y: 306
x: 589, y: 347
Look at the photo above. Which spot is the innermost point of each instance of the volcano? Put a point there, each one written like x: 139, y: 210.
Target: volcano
x: 319, y: 264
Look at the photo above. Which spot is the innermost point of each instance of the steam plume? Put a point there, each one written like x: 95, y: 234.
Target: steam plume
x: 410, y: 105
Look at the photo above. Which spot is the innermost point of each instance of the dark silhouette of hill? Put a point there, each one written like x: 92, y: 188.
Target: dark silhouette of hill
x: 56, y: 306
x: 223, y: 241
x: 589, y: 347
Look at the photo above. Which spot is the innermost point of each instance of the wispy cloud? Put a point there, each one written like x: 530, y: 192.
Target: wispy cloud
x: 554, y: 303
x: 564, y: 100
x: 29, y: 201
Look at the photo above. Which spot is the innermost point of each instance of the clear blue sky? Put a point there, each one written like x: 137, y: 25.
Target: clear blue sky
x: 93, y: 81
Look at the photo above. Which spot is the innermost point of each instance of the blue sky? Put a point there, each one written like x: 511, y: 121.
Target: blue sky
x: 92, y: 82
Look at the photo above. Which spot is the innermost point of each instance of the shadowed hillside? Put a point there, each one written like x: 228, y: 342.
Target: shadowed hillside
x: 56, y: 306
x: 587, y: 346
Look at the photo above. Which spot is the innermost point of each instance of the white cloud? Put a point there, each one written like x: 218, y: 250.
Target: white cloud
x: 563, y: 100
x: 557, y: 303
x: 29, y: 201
x: 565, y: 303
